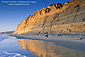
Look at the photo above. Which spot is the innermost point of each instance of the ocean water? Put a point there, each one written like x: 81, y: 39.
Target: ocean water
x: 16, y: 47
x: 9, y: 47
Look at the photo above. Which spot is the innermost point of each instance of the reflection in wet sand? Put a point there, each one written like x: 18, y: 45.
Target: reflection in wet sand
x: 48, y: 49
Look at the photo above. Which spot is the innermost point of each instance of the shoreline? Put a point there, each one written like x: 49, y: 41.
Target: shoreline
x: 67, y: 41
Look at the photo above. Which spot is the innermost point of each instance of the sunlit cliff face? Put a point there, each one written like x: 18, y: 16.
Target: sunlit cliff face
x: 55, y: 18
x: 48, y: 49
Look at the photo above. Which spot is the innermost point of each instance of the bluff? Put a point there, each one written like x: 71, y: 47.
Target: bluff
x: 58, y: 18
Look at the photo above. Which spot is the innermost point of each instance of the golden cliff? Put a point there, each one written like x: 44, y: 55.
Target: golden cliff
x: 68, y: 17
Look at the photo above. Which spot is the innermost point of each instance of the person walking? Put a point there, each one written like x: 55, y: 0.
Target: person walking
x: 46, y: 34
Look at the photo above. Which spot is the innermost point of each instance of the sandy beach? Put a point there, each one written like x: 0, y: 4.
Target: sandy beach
x: 76, y: 42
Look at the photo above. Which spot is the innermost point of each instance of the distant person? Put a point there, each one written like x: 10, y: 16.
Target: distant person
x: 46, y: 34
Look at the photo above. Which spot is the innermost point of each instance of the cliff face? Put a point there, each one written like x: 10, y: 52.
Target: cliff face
x: 56, y: 18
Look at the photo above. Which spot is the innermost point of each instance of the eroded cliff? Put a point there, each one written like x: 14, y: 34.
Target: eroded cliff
x: 68, y: 17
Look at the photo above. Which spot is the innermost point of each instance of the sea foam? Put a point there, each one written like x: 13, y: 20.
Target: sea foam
x: 7, y: 54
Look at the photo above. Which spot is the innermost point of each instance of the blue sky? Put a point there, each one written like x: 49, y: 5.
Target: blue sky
x: 12, y: 15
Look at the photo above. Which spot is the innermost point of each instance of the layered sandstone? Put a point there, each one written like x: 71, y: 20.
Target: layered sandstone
x: 56, y: 18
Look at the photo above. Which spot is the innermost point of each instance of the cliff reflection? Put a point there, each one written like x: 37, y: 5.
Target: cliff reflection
x: 48, y: 49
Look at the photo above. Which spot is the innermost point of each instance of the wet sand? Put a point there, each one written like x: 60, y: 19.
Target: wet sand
x: 76, y: 42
